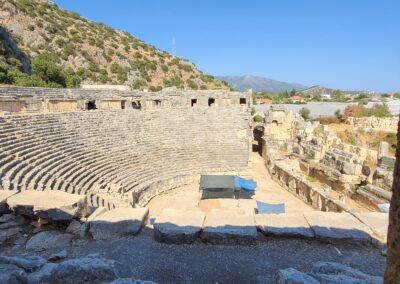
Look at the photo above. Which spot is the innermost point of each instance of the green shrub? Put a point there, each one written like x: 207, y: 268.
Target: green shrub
x: 192, y: 84
x: 310, y: 156
x: 304, y: 112
x: 258, y: 118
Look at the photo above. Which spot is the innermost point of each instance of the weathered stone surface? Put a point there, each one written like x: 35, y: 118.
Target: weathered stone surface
x: 9, y: 235
x: 348, y: 168
x: 337, y: 279
x: 97, y: 212
x: 12, y: 274
x: 293, y: 276
x: 58, y: 255
x: 10, y: 221
x: 49, y: 205
x: 4, y: 194
x: 80, y: 270
x: 178, y: 226
x: 77, y: 228
x: 46, y: 240
x: 335, y: 268
x: 28, y: 263
x: 130, y: 281
x: 229, y: 227
x: 378, y: 222
x: 118, y: 222
x: 339, y: 226
x: 286, y: 225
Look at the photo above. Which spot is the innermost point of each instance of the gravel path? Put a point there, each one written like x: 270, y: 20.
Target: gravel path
x: 202, y: 263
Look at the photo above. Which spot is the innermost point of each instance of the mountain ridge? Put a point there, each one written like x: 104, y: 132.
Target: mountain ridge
x: 259, y: 83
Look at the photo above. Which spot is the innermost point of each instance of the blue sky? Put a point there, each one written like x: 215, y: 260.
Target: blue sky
x: 346, y: 44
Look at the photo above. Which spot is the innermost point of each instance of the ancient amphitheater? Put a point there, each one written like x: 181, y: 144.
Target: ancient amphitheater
x: 96, y: 184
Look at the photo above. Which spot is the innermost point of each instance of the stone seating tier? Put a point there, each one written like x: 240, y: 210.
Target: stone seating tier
x: 119, y: 153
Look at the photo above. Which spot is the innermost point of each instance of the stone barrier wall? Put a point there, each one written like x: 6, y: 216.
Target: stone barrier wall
x: 374, y: 123
x: 16, y: 100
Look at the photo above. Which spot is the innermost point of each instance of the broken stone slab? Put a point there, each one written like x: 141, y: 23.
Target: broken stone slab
x: 48, y: 205
x: 97, y: 212
x: 284, y: 225
x: 4, y: 195
x: 58, y: 255
x: 77, y: 228
x: 48, y: 239
x: 378, y: 222
x: 293, y: 276
x: 337, y: 226
x: 28, y: 263
x: 118, y: 222
x: 229, y: 227
x: 80, y: 270
x: 178, y: 226
x: 12, y: 274
x: 335, y: 268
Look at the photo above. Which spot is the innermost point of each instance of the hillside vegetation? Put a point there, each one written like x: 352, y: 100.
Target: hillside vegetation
x: 44, y: 45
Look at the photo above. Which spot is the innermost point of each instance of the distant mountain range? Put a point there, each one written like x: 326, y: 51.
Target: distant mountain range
x: 260, y: 84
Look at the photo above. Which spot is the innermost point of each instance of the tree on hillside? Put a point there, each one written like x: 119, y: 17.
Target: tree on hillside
x: 44, y: 66
x: 292, y: 92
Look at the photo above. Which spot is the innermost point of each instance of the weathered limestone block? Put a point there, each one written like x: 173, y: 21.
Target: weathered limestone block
x: 28, y: 263
x: 293, y: 276
x: 377, y: 222
x: 178, y: 226
x: 130, y: 281
x: 49, y: 205
x: 337, y: 226
x: 118, y: 222
x: 229, y: 227
x: 48, y: 240
x: 77, y: 228
x: 285, y: 225
x: 80, y: 270
x: 4, y: 194
x: 322, y: 268
x: 12, y: 274
x: 9, y: 235
x: 383, y: 149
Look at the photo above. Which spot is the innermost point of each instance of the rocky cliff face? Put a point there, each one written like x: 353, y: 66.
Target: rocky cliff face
x: 95, y: 52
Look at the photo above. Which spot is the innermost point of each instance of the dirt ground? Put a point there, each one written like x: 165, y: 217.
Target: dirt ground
x: 188, y: 197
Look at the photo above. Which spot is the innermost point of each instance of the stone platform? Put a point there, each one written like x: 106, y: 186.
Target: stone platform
x: 178, y: 226
x: 49, y: 205
x: 118, y: 222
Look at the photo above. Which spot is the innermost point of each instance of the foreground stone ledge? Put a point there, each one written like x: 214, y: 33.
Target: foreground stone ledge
x: 178, y: 226
x: 118, y: 222
x: 284, y: 225
x: 49, y: 205
x: 337, y: 226
x: 378, y: 222
x: 4, y: 195
x: 229, y: 227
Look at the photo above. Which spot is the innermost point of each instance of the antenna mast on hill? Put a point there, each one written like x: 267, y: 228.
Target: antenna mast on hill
x: 173, y: 47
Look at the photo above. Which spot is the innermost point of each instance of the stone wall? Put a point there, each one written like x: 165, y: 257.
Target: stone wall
x: 18, y: 100
x: 374, y: 123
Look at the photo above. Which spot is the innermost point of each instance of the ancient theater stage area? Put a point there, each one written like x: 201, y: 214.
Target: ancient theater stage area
x: 269, y: 191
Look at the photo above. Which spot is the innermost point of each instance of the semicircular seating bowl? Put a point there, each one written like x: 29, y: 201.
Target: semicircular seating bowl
x: 120, y: 157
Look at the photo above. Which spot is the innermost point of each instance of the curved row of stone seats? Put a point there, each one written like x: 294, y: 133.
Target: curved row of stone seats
x: 119, y: 152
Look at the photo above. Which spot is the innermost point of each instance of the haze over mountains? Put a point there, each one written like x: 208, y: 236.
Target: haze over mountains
x: 260, y: 84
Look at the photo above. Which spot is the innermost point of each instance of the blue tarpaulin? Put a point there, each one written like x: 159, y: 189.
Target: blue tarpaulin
x: 266, y: 208
x: 246, y: 184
